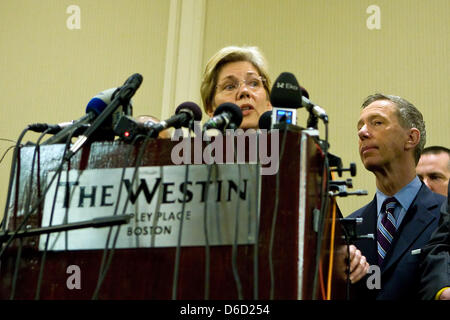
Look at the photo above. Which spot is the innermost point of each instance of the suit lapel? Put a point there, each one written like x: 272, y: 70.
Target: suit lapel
x: 368, y: 247
x: 416, y: 220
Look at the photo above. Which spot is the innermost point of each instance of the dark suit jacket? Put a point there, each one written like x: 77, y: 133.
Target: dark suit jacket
x: 400, y: 270
x: 435, y: 264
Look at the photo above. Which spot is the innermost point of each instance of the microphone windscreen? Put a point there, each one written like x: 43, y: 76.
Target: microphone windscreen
x: 286, y: 92
x: 134, y: 81
x: 191, y: 106
x: 304, y: 92
x: 265, y: 121
x: 234, y: 110
x: 99, y: 103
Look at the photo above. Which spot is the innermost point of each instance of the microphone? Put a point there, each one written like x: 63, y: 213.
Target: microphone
x: 227, y: 115
x: 313, y: 108
x: 127, y: 128
x: 286, y: 98
x: 56, y: 128
x: 98, y: 103
x: 122, y: 97
x: 50, y: 128
x: 265, y: 120
x: 94, y: 107
x: 185, y: 114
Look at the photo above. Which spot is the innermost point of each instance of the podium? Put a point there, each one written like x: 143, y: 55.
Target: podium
x: 278, y: 263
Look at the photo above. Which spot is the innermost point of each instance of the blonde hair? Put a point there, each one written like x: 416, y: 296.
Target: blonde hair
x: 221, y: 58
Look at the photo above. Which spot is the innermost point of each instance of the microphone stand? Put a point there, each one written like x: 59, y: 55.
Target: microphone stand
x: 66, y: 132
x: 94, y: 223
x: 312, y: 121
x: 348, y: 226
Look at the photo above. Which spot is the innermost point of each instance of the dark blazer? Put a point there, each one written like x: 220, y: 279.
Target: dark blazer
x: 400, y: 270
x: 435, y: 259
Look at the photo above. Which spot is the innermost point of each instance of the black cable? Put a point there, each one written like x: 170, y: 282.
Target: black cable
x: 105, y: 264
x: 19, y: 251
x: 274, y: 217
x: 236, y: 234
x: 257, y: 217
x: 105, y: 250
x: 16, y: 270
x: 4, y: 221
x: 28, y: 214
x: 205, y: 230
x: 4, y: 153
x: 36, y: 151
x: 44, y: 253
x: 178, y: 249
x: 28, y: 211
x: 347, y: 285
x: 11, y: 177
x: 323, y: 210
x: 27, y: 204
x: 157, y: 208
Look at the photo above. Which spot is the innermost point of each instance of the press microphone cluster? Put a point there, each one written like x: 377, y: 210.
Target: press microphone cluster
x: 74, y: 128
x: 127, y: 128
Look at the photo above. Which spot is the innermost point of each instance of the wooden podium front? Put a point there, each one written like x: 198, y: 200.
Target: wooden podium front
x: 281, y: 265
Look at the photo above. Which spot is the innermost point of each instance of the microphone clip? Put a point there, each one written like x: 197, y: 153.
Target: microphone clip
x: 349, y: 229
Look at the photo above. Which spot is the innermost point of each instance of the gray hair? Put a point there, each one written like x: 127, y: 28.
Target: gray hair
x: 408, y: 115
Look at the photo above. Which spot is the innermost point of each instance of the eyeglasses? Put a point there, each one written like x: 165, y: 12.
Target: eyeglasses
x: 232, y: 85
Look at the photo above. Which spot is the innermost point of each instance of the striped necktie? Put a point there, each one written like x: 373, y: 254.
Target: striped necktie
x: 386, y: 229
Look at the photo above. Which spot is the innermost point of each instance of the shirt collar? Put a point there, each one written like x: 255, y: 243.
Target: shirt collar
x: 405, y: 196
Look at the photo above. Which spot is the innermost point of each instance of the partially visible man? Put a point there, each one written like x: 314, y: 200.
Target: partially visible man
x: 435, y: 256
x: 404, y: 212
x: 434, y: 168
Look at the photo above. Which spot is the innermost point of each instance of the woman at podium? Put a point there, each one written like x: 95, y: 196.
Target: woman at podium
x: 237, y: 75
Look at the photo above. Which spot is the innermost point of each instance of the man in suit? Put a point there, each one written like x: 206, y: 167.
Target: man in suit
x: 404, y: 212
x: 435, y: 259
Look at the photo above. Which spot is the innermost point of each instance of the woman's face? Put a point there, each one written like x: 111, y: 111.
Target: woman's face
x: 240, y: 83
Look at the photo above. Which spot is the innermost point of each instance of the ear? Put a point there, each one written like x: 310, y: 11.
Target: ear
x: 268, y: 104
x: 413, y: 139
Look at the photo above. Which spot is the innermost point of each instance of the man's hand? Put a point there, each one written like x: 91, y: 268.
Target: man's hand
x: 445, y: 295
x: 358, y: 264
